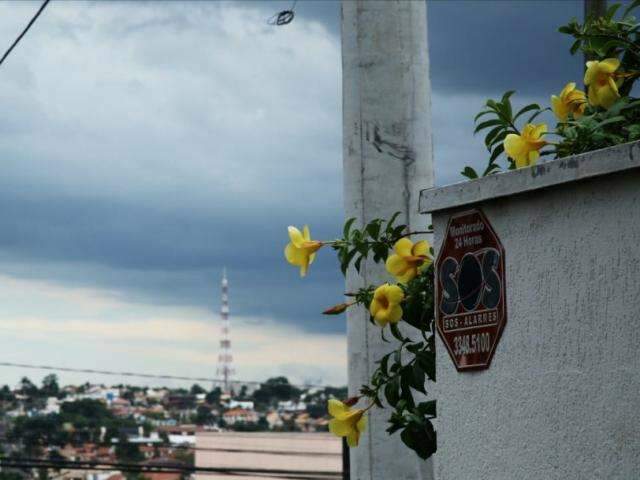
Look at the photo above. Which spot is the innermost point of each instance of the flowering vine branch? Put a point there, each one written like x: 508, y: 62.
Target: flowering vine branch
x: 400, y: 379
x: 604, y: 116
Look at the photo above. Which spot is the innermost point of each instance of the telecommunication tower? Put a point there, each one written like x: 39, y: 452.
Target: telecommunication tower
x: 225, y: 359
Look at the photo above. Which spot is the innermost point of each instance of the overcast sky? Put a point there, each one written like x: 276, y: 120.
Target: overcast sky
x: 146, y: 145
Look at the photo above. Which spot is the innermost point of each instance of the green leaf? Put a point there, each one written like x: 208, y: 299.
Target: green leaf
x: 499, y: 138
x: 611, y: 11
x: 373, y: 229
x: 392, y: 392
x: 395, y: 331
x: 493, y: 133
x: 507, y: 95
x: 609, y: 121
x: 470, y: 173
x: 528, y: 108
x: 344, y: 263
x: 535, y: 115
x: 492, y: 167
x: 496, y: 152
x: 634, y: 131
x: 481, y: 114
x: 506, y: 104
x: 632, y: 6
x: 427, y: 408
x: 418, y: 379
x: 347, y: 228
x: 384, y: 363
x: 358, y: 262
x: 427, y: 362
x: 575, y: 46
x: 488, y: 123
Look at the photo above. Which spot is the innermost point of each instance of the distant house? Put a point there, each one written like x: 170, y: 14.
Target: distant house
x: 94, y: 392
x: 162, y: 462
x: 140, y: 438
x: 52, y: 406
x: 181, y: 434
x: 290, y: 406
x: 240, y: 416
x: 245, y: 404
x: 274, y: 420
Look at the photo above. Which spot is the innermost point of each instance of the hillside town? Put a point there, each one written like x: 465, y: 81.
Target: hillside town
x: 139, y: 425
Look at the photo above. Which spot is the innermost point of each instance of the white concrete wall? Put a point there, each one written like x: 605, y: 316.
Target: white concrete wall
x: 561, y: 399
x: 387, y: 160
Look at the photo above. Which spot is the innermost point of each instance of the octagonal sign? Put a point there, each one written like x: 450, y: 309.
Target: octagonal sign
x: 471, y: 309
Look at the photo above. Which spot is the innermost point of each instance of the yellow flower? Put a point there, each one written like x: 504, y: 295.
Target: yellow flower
x: 346, y: 422
x: 569, y: 101
x: 409, y: 259
x: 600, y: 78
x: 524, y: 148
x: 301, y: 250
x: 385, y: 306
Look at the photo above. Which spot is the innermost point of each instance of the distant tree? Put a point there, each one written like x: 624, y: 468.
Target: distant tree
x: 28, y: 388
x: 93, y: 410
x: 55, y: 455
x: 263, y: 424
x: 243, y: 393
x: 6, y: 395
x: 127, y: 452
x: 37, y: 432
x: 274, y: 390
x: 196, y: 389
x: 213, y: 397
x: 316, y: 410
x: 5, y: 475
x: 185, y: 457
x: 50, y: 387
x: 203, y: 416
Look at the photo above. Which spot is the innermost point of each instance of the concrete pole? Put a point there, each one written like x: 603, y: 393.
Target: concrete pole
x: 387, y: 160
x: 594, y: 8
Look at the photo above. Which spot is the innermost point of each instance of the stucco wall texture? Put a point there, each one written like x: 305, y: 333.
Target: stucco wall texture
x: 561, y: 399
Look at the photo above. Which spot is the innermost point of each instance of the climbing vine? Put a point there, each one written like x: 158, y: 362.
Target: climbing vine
x: 400, y: 379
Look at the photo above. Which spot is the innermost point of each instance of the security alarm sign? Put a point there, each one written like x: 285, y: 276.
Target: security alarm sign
x: 471, y: 309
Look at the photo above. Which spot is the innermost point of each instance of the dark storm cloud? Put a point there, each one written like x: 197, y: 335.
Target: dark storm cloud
x: 169, y: 255
x: 483, y: 45
x: 489, y: 46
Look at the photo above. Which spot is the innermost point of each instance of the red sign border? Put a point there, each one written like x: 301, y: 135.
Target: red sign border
x: 483, y: 366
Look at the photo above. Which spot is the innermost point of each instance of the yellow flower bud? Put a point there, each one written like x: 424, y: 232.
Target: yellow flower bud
x: 337, y: 309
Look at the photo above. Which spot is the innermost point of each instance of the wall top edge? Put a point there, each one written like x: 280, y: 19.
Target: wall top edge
x: 544, y: 175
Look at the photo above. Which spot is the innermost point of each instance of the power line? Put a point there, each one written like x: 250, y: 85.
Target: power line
x: 268, y: 452
x: 26, y: 29
x: 144, y: 375
x: 169, y: 468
